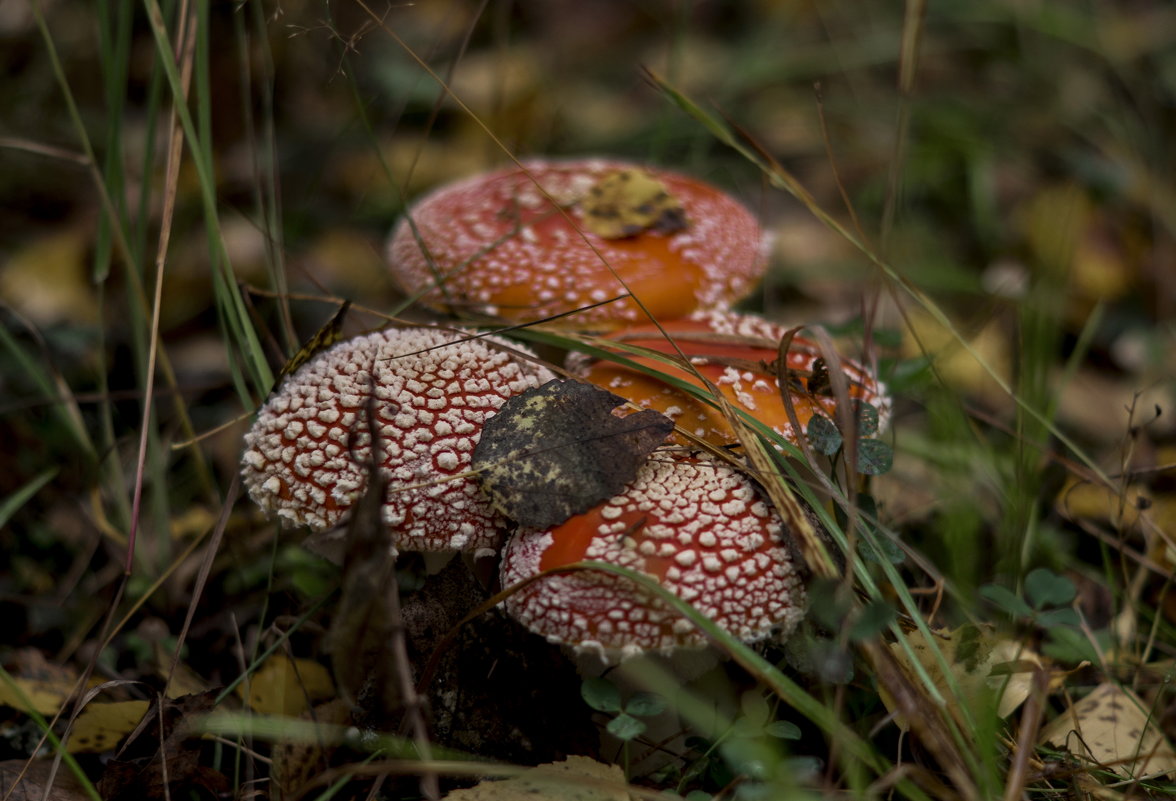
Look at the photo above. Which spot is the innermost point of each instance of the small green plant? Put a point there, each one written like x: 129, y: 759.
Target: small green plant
x: 750, y: 753
x: 603, y: 696
x: 1044, y: 589
x: 874, y: 457
x: 1048, y: 605
x: 626, y: 725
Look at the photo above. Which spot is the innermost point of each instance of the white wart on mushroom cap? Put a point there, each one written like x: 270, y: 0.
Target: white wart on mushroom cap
x: 697, y: 526
x: 306, y: 455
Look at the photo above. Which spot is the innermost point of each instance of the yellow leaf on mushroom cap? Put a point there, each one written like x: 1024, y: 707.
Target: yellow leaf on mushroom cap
x: 629, y: 201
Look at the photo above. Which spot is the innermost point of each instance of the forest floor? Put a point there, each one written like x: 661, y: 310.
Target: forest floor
x: 977, y: 198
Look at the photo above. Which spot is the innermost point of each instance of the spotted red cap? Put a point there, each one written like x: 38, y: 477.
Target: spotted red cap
x: 736, y: 352
x: 502, y: 247
x: 306, y: 454
x: 697, y: 526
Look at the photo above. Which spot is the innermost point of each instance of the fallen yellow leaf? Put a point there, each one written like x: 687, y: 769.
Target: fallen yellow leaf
x: 47, y: 280
x: 1112, y: 728
x: 577, y: 778
x: 35, y: 695
x: 39, y: 686
x: 183, y: 680
x: 971, y: 653
x: 284, y: 687
x: 955, y: 364
x: 1085, y: 500
x: 101, y: 725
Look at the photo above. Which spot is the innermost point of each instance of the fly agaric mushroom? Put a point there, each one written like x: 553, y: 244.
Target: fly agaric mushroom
x: 525, y: 243
x: 697, y: 526
x: 737, y: 353
x: 306, y: 456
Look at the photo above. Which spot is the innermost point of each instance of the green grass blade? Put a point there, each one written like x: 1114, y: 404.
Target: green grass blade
x: 21, y: 496
x: 234, y: 314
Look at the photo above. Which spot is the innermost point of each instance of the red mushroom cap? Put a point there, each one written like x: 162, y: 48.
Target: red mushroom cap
x: 501, y: 246
x: 737, y: 353
x: 306, y: 454
x: 697, y: 526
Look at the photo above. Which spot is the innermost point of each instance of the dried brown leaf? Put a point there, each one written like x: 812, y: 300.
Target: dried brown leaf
x: 18, y: 784
x: 558, y: 450
x: 295, y: 763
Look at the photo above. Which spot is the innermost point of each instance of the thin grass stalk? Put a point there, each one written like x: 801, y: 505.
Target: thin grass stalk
x: 267, y: 194
x: 908, y: 64
x: 946, y: 734
x: 230, y: 304
x: 110, y: 629
x: 430, y: 122
x: 278, y: 642
x: 12, y: 503
x: 75, y: 116
x: 114, y: 43
x: 112, y: 230
x: 137, y: 224
x: 1031, y: 717
x: 907, y: 601
x: 185, y: 40
x: 1039, y: 318
x: 202, y: 575
x: 247, y: 354
x: 53, y: 389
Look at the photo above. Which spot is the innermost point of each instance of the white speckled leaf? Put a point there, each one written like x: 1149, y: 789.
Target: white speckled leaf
x: 558, y: 450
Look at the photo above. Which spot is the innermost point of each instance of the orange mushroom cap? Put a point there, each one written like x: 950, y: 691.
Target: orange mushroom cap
x: 305, y: 458
x: 737, y: 353
x: 694, y: 524
x: 500, y: 245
